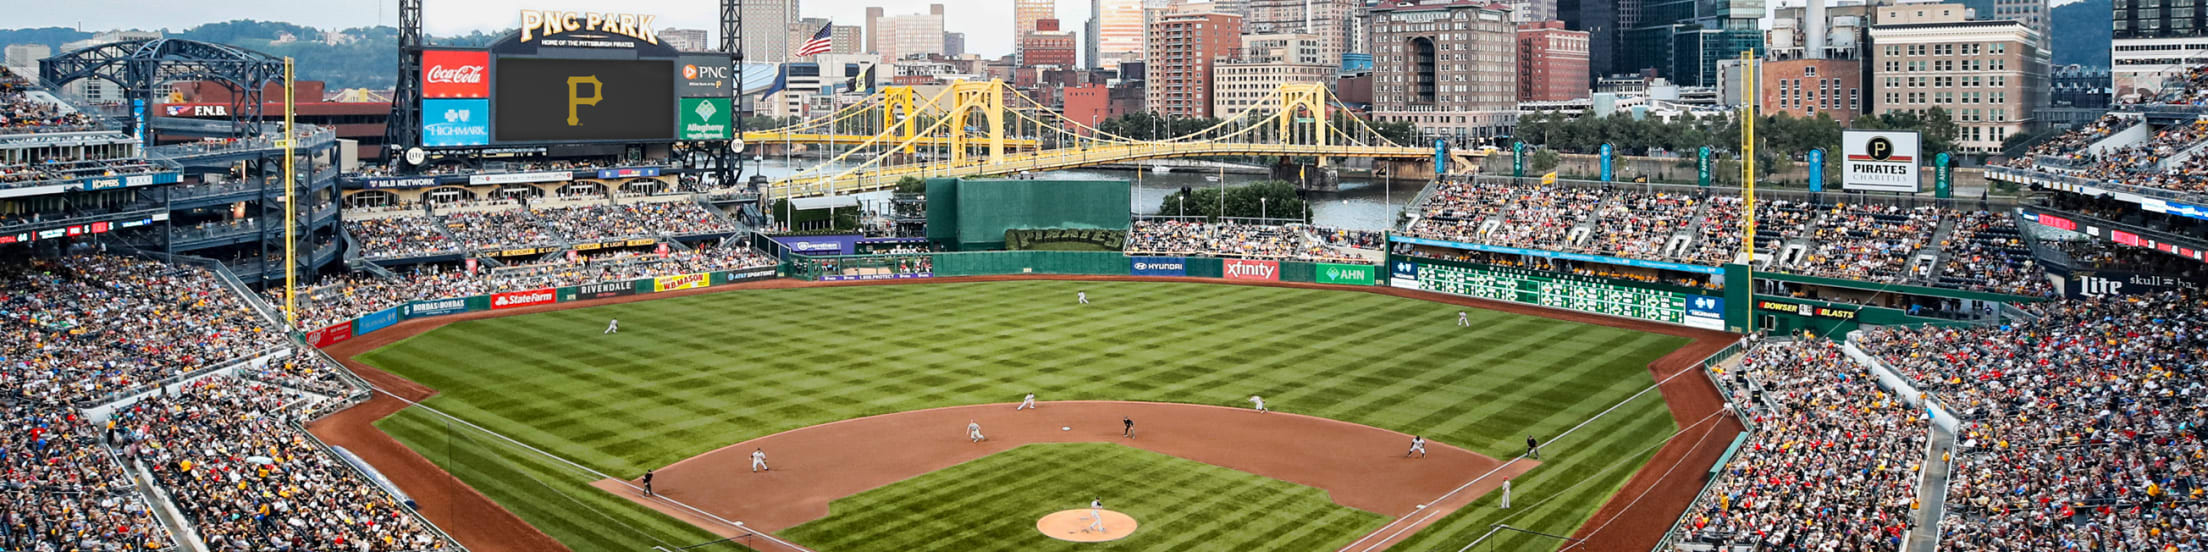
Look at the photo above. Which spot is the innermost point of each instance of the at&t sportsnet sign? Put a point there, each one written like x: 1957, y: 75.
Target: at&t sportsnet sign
x: 1880, y: 161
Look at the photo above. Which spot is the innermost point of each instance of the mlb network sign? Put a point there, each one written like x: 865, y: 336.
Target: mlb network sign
x: 456, y: 122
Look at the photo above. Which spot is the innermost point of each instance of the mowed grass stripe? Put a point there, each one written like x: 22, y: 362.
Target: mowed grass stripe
x: 1180, y: 504
x: 690, y: 374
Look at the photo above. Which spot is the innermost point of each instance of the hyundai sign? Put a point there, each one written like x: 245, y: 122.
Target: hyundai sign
x: 1880, y: 161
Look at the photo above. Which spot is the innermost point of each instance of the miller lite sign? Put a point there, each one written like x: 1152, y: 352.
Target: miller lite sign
x: 456, y: 74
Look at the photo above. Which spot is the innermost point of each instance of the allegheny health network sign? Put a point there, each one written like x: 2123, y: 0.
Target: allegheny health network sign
x: 704, y: 119
x: 1880, y: 161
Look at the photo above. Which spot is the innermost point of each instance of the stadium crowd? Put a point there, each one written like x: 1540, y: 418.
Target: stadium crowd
x: 2080, y: 429
x: 354, y: 294
x: 382, y: 238
x: 1293, y: 242
x: 63, y: 492
x: 1834, y: 466
x: 2146, y: 163
x: 506, y: 226
x: 92, y: 327
x: 20, y: 113
x: 1859, y: 241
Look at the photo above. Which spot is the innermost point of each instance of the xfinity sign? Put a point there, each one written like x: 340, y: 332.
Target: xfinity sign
x: 1880, y: 161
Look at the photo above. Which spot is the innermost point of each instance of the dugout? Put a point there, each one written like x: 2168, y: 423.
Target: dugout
x: 973, y: 214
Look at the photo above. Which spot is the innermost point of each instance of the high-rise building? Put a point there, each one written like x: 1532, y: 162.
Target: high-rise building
x: 1806, y: 88
x: 1601, y: 20
x: 1116, y: 33
x: 1049, y: 47
x: 1552, y: 62
x: 1328, y: 20
x: 687, y: 40
x: 954, y: 44
x: 1985, y: 74
x: 1532, y: 11
x: 1249, y: 76
x: 2153, y: 41
x: 1682, y: 40
x: 844, y: 39
x: 1024, y: 15
x: 24, y: 58
x: 766, y: 27
x: 1447, y: 67
x: 873, y: 30
x: 1180, y: 50
x: 904, y: 36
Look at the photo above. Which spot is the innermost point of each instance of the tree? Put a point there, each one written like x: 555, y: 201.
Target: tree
x: 1272, y: 198
x: 1543, y: 160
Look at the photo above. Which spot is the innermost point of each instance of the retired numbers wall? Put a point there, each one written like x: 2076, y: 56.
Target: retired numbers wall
x: 1564, y: 291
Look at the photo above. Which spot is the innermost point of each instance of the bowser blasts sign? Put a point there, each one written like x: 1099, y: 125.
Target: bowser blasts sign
x: 456, y: 74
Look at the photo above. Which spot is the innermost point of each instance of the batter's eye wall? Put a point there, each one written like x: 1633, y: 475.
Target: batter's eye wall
x: 610, y: 100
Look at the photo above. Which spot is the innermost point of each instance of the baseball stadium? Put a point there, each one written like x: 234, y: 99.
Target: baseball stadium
x: 955, y: 317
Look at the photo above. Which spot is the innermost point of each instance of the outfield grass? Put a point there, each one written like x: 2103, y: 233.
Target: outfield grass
x: 1180, y: 505
x: 690, y: 374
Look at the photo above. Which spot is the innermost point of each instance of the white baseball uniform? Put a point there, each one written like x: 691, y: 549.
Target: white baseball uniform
x: 1259, y: 401
x: 1026, y: 404
x: 973, y: 432
x: 613, y: 326
x: 1083, y: 296
x: 1096, y: 517
x: 758, y: 460
x: 1462, y: 320
x: 1418, y: 445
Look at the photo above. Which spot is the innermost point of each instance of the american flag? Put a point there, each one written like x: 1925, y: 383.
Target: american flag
x: 819, y: 42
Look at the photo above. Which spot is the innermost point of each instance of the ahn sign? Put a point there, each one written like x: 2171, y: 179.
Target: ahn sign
x: 1880, y: 161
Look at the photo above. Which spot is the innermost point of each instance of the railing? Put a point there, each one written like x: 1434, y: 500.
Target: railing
x: 2027, y: 176
x: 310, y: 136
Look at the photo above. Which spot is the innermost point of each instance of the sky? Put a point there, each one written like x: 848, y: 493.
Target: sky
x: 987, y: 23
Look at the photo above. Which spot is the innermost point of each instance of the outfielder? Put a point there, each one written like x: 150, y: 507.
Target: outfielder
x: 1418, y: 445
x: 613, y: 326
x: 1096, y: 516
x: 1026, y: 404
x: 1462, y: 320
x: 1083, y: 296
x: 758, y: 460
x: 973, y: 431
x: 1260, y: 402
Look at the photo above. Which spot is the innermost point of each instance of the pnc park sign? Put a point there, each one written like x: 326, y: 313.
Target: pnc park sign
x: 1880, y: 161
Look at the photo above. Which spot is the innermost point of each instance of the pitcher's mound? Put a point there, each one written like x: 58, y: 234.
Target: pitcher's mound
x: 1074, y: 525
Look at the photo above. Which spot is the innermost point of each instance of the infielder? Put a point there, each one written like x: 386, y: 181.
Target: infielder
x: 973, y: 431
x: 1096, y: 516
x: 758, y: 460
x: 1129, y: 423
x: 1083, y: 296
x: 1418, y: 445
x: 1026, y: 404
x: 1462, y: 320
x: 1260, y: 402
x: 613, y: 326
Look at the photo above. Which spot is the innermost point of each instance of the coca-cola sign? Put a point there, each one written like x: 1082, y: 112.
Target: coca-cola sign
x: 455, y: 74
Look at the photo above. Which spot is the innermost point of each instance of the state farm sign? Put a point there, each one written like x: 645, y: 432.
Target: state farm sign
x: 524, y: 298
x: 1243, y: 269
x: 455, y: 74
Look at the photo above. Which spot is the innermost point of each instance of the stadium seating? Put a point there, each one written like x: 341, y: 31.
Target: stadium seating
x: 22, y: 113
x: 2146, y: 163
x: 355, y: 294
x: 498, y: 225
x: 1294, y: 242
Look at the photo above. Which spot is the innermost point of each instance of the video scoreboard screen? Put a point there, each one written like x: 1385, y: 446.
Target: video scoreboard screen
x: 1564, y: 291
x: 543, y: 100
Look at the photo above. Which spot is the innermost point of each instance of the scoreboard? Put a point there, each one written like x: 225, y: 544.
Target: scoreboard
x: 1564, y: 291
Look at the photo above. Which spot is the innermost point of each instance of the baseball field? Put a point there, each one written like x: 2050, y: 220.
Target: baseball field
x: 687, y: 376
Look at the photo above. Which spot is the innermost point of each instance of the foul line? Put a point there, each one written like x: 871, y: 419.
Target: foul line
x: 1427, y: 508
x: 625, y: 483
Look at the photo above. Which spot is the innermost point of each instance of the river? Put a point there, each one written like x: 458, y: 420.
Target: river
x: 1362, y: 204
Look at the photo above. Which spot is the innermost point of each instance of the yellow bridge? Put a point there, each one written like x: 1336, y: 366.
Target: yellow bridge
x: 987, y: 128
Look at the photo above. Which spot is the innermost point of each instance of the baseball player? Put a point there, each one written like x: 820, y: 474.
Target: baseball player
x: 1418, y: 445
x: 1096, y: 516
x: 973, y: 431
x: 1462, y: 320
x: 1533, y: 448
x: 758, y: 460
x: 1260, y: 402
x: 1083, y: 296
x: 647, y: 482
x: 613, y: 326
x: 1026, y: 404
x: 1129, y: 432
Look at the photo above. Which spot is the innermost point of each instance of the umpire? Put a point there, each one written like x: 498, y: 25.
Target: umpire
x: 1533, y: 448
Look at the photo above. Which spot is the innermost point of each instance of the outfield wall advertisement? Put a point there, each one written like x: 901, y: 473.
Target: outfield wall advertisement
x: 1247, y: 269
x: 524, y: 298
x: 1580, y: 293
x: 1157, y: 266
x: 339, y: 332
x: 1345, y: 274
x: 881, y: 276
x: 376, y: 320
x: 683, y: 281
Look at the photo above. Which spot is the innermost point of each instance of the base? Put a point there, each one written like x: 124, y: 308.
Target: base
x: 1074, y: 525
